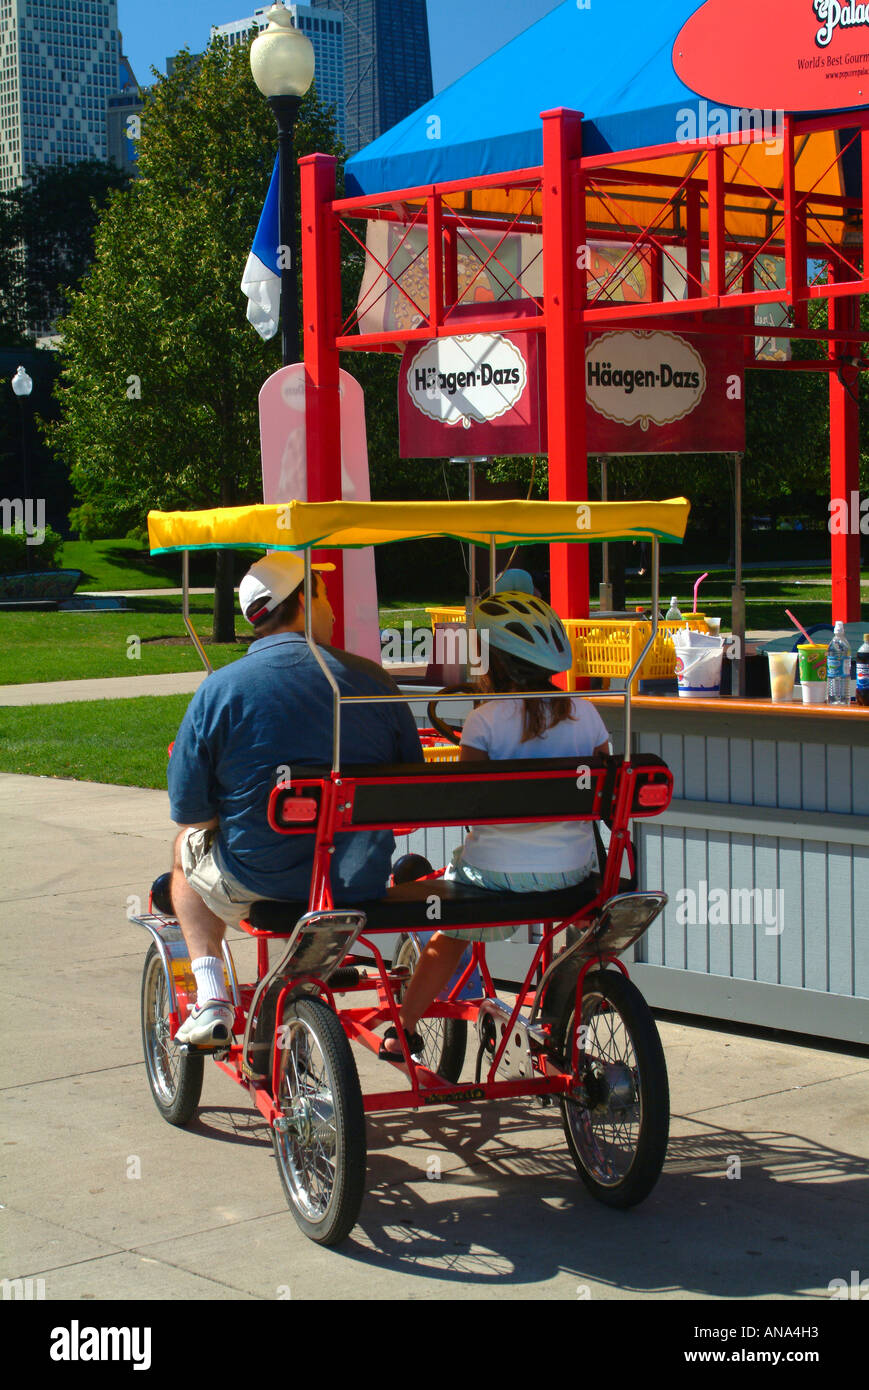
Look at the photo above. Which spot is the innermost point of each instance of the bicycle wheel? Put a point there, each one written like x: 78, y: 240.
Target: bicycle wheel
x: 445, y: 1040
x: 175, y: 1078
x: 617, y: 1125
x: 320, y: 1139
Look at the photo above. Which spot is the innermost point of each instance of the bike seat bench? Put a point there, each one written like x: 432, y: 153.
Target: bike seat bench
x: 407, y: 907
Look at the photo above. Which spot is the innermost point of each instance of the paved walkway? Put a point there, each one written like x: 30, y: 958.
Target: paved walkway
x: 114, y: 688
x: 764, y: 1193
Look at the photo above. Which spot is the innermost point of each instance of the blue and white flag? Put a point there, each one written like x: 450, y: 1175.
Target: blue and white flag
x: 261, y: 281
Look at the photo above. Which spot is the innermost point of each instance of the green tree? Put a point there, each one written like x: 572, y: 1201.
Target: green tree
x: 161, y: 368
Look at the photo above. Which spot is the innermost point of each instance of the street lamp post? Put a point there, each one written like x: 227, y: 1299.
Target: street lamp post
x: 282, y: 63
x: 22, y: 385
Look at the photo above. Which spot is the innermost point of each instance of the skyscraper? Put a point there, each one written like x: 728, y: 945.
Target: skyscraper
x: 124, y: 118
x: 387, y: 63
x: 326, y: 33
x: 58, y: 68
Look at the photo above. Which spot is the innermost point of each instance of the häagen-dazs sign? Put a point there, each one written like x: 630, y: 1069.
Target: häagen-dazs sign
x: 472, y: 379
x: 659, y: 392
x: 644, y: 378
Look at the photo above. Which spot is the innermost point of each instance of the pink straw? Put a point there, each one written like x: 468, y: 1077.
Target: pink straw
x: 799, y: 625
x: 697, y: 586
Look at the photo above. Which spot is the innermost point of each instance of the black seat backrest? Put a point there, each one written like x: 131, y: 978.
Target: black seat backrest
x: 477, y: 793
x: 480, y: 792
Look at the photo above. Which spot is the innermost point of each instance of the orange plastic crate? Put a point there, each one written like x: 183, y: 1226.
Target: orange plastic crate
x: 441, y: 753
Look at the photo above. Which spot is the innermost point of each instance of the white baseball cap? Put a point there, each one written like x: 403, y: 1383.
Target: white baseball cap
x: 270, y: 581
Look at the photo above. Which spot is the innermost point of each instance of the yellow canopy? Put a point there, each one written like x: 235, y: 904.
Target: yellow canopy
x: 349, y: 525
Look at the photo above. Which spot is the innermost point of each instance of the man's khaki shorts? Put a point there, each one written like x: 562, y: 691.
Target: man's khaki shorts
x: 220, y: 891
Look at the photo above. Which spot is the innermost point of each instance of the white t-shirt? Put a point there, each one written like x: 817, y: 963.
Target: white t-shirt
x: 495, y: 728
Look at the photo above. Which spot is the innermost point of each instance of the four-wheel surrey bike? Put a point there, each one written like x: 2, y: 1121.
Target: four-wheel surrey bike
x: 579, y: 1032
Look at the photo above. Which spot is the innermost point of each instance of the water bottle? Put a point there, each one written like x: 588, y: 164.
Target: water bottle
x: 673, y: 614
x: 839, y: 668
x: 863, y: 672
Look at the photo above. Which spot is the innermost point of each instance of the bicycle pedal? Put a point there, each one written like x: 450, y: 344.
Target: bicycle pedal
x: 344, y: 978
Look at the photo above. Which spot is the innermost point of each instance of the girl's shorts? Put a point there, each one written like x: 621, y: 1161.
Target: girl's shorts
x: 496, y: 882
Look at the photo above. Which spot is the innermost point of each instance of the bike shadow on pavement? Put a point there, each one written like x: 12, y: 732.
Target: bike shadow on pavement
x: 491, y: 1198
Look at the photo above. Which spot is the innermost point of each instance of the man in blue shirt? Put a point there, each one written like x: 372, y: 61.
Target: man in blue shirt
x: 266, y: 718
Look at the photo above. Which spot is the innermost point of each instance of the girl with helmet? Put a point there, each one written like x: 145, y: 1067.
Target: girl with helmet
x: 527, y: 645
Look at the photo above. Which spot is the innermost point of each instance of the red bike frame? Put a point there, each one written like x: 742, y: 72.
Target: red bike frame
x: 327, y: 803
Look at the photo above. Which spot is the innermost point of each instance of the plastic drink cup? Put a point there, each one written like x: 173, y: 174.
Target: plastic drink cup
x: 698, y: 665
x: 813, y: 673
x: 782, y: 675
x: 714, y: 626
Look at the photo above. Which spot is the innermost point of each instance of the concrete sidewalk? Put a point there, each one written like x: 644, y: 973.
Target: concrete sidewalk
x: 106, y: 688
x: 763, y: 1195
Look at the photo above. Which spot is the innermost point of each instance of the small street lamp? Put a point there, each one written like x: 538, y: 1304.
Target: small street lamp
x: 22, y: 385
x: 282, y: 63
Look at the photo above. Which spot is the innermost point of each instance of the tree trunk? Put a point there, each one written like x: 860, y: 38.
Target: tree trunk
x: 223, y: 628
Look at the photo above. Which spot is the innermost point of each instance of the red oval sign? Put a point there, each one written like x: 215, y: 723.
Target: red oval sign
x: 812, y: 55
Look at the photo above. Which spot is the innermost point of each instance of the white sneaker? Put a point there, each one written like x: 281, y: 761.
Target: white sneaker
x: 209, y: 1026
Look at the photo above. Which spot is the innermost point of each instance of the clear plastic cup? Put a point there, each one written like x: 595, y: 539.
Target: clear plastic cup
x: 714, y: 625
x: 782, y: 675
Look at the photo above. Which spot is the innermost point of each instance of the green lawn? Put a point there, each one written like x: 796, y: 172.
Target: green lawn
x: 118, y: 565
x: 120, y: 741
x: 74, y: 646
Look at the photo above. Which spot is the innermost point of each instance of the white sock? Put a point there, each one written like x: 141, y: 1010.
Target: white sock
x: 210, y: 984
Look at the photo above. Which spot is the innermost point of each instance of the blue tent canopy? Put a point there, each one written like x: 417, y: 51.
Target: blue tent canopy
x: 612, y: 61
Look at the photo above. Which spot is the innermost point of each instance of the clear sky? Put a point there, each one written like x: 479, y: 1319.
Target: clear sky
x: 463, y: 32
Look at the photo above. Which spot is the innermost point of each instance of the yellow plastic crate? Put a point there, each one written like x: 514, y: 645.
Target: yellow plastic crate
x: 445, y: 615
x: 441, y: 753
x: 607, y: 648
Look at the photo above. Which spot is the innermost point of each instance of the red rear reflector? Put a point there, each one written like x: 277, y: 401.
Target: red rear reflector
x: 297, y: 808
x: 654, y: 794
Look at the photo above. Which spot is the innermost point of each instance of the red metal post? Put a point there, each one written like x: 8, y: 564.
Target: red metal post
x: 693, y: 250
x: 451, y: 265
x: 795, y: 231
x: 435, y: 261
x: 321, y: 286
x: 564, y: 256
x: 845, y: 515
x: 715, y: 196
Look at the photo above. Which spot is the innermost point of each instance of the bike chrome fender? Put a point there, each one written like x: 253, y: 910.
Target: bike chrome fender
x: 621, y: 922
x: 169, y: 940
